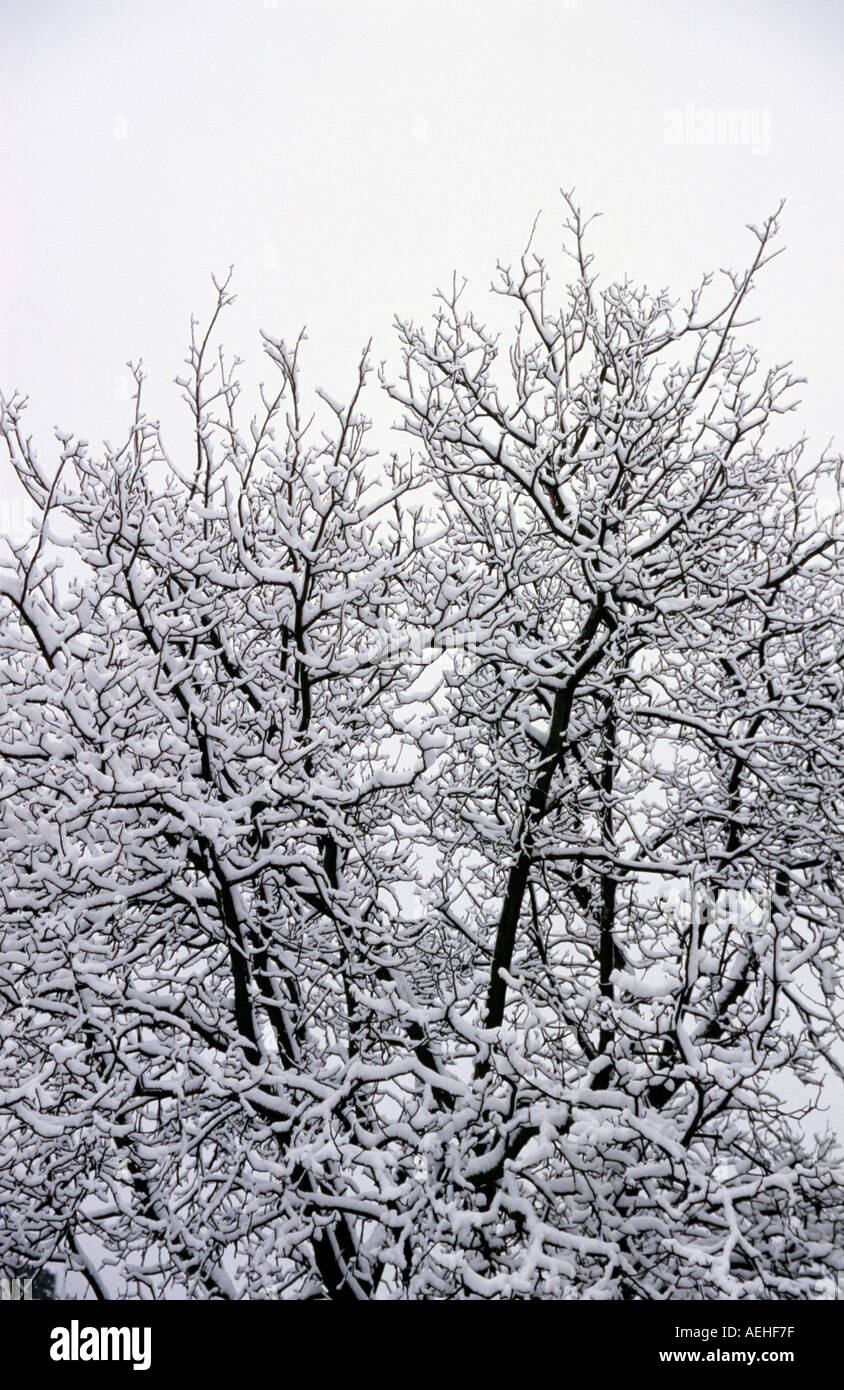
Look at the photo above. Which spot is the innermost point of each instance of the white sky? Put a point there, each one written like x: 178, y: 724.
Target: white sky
x: 346, y: 155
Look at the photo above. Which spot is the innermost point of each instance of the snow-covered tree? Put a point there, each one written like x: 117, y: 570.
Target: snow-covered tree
x: 422, y: 878
x: 196, y: 843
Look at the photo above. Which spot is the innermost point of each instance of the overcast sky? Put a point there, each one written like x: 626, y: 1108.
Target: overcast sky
x: 346, y: 155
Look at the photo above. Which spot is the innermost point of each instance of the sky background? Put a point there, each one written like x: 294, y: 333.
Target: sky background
x: 347, y: 155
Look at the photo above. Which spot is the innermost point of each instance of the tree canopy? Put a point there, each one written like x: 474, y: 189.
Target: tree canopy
x: 421, y: 870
